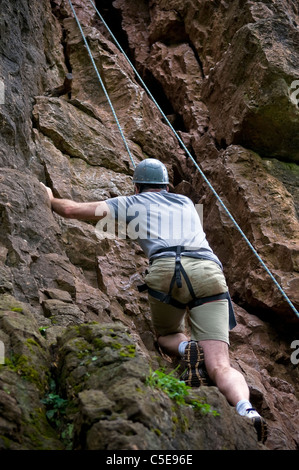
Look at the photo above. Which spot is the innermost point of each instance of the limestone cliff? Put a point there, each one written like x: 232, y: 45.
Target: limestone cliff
x: 77, y: 336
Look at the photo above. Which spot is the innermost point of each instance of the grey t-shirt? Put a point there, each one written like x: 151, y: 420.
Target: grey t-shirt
x: 158, y: 220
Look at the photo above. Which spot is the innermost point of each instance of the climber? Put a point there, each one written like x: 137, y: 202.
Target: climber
x: 183, y: 272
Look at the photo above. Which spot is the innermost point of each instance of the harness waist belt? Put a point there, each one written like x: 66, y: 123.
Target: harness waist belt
x: 173, y: 248
x: 168, y: 299
x: 196, y: 301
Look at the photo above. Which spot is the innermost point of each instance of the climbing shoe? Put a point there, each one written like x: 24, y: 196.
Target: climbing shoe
x: 259, y: 424
x: 195, y: 375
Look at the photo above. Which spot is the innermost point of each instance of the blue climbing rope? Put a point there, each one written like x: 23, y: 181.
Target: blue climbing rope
x: 187, y: 152
x: 102, y: 83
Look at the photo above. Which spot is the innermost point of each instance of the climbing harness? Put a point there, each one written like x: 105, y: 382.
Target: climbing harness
x: 176, y: 278
x: 179, y: 140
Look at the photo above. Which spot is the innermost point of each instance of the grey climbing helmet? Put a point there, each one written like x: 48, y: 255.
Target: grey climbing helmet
x: 151, y: 171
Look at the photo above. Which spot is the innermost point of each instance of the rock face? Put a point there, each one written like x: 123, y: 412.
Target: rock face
x: 129, y: 414
x: 71, y: 319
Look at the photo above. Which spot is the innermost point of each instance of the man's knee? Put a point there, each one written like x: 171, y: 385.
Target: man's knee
x: 216, y: 357
x: 217, y: 371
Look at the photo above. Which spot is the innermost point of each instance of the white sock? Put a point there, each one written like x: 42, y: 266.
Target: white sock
x: 242, y: 406
x: 182, y: 347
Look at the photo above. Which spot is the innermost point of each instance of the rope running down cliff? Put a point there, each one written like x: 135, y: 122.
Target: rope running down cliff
x: 178, y: 138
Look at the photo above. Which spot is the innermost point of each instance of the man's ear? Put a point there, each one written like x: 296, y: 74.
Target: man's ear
x: 136, y: 187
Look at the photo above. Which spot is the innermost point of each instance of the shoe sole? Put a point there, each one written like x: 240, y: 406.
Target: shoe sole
x: 194, y: 376
x: 261, y: 428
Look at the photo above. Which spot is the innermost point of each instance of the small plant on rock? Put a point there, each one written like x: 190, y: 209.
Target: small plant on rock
x: 177, y: 390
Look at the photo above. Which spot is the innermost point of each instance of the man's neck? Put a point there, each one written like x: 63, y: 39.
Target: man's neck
x: 152, y: 190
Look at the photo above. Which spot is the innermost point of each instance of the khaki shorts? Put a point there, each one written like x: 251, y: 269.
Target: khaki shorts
x: 208, y: 321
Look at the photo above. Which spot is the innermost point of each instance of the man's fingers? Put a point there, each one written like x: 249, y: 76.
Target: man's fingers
x: 49, y: 192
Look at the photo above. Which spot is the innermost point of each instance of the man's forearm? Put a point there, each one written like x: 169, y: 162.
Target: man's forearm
x: 63, y: 207
x: 79, y: 210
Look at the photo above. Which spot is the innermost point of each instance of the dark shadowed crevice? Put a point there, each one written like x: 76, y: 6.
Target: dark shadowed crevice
x: 198, y: 60
x: 113, y: 18
x: 60, y: 15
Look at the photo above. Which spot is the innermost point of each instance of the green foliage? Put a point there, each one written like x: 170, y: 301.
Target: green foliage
x: 173, y: 387
x: 43, y: 330
x: 128, y: 351
x: 177, y: 390
x: 56, y: 408
x: 22, y: 366
x: 56, y: 412
x: 204, y: 408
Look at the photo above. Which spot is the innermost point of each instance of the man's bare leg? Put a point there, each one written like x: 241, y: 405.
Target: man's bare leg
x: 231, y: 383
x: 170, y: 343
x: 228, y: 380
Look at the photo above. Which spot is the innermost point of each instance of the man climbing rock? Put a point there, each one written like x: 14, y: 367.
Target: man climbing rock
x: 183, y: 272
